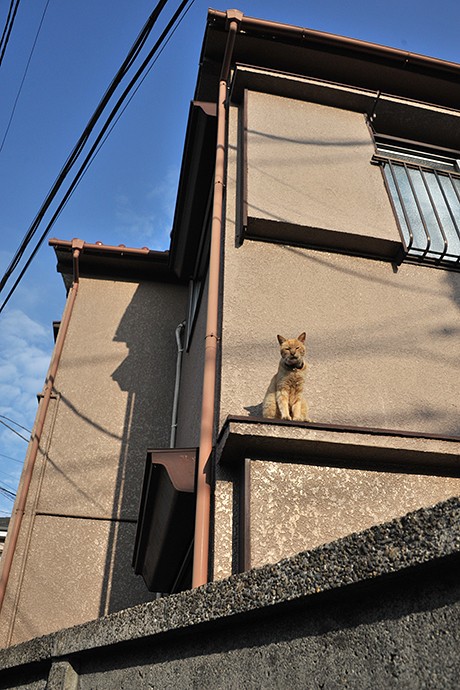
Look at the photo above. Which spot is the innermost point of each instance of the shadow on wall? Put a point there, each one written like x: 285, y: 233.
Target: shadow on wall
x: 394, y: 357
x: 147, y: 376
x: 453, y: 281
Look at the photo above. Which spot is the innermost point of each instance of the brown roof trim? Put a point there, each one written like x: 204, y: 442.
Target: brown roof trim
x: 278, y: 30
x: 100, y: 260
x: 195, y: 186
x: 329, y: 57
x: 102, y: 248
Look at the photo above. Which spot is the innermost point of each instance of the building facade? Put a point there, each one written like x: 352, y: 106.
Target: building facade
x: 319, y: 192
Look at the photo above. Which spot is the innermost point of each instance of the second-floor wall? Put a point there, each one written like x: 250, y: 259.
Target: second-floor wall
x: 382, y: 338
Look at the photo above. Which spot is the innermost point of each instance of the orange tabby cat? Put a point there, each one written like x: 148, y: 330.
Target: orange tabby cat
x: 284, y: 398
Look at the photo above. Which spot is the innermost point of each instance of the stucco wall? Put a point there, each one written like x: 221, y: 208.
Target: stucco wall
x: 114, y: 400
x: 382, y: 341
x: 191, y: 384
x: 296, y: 507
x: 309, y: 165
x: 382, y: 348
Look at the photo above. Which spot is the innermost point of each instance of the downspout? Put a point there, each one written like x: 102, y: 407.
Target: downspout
x: 203, y: 496
x: 180, y: 352
x: 19, y: 509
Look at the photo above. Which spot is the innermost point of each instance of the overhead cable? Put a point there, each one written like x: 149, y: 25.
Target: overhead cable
x: 24, y: 76
x: 87, y: 161
x: 8, y: 457
x: 12, y: 10
x: 2, y: 416
x: 121, y: 73
x: 8, y: 494
x: 14, y: 431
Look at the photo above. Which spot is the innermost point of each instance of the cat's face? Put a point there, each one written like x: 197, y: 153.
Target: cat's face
x: 292, y: 350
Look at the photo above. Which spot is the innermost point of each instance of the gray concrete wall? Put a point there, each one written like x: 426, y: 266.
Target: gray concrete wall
x: 309, y: 165
x: 379, y: 609
x: 114, y: 392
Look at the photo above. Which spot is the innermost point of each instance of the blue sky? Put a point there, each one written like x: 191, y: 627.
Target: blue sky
x: 128, y: 194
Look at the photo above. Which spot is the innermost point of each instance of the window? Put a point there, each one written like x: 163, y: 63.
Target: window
x: 424, y: 189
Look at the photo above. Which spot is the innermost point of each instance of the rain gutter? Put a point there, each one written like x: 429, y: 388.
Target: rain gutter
x: 203, y: 497
x: 289, y: 31
x: 19, y: 508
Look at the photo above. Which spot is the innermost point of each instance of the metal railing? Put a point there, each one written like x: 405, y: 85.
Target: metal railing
x: 426, y: 202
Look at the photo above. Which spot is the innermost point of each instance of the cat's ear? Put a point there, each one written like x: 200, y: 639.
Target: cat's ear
x: 302, y: 337
x: 280, y: 339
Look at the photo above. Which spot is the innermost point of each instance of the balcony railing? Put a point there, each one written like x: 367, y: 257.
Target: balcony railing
x: 426, y: 202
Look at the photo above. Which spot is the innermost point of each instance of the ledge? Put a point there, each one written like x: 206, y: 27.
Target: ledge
x: 267, y: 230
x: 417, y: 539
x: 398, y: 116
x: 346, y: 446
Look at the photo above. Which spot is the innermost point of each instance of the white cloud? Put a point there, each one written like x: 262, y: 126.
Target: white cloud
x: 149, y: 222
x: 25, y: 350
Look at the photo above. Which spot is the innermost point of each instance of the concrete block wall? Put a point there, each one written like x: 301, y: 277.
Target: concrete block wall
x: 379, y: 609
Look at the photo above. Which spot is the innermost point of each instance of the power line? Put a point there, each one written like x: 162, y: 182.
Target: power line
x: 10, y: 495
x: 122, y: 71
x: 24, y: 76
x: 8, y: 457
x: 5, y: 28
x: 2, y: 416
x: 99, y: 141
x: 14, y: 431
x: 7, y: 484
x: 13, y: 8
x: 137, y: 88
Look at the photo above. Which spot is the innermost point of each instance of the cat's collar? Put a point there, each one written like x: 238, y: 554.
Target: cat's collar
x: 293, y: 367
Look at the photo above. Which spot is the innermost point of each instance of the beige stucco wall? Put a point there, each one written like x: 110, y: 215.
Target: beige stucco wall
x: 114, y: 400
x: 309, y: 165
x: 382, y: 350
x: 382, y: 344
x: 382, y: 341
x: 191, y: 384
x: 296, y: 507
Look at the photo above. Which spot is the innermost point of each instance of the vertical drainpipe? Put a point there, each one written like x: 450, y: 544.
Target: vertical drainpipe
x: 20, y: 505
x: 203, y: 496
x: 180, y: 352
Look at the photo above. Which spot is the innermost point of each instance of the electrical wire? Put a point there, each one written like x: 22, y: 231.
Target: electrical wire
x: 2, y: 416
x: 8, y: 494
x: 7, y: 484
x: 99, y: 141
x: 12, y: 11
x: 121, y: 73
x: 14, y: 431
x: 136, y: 89
x: 24, y: 76
x: 5, y: 28
x: 8, y: 457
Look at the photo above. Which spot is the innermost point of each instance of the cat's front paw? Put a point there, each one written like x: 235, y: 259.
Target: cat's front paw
x: 286, y: 416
